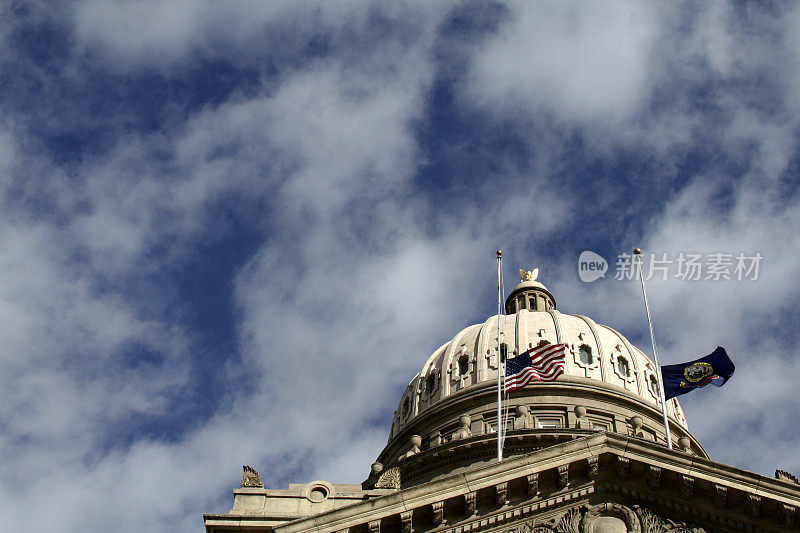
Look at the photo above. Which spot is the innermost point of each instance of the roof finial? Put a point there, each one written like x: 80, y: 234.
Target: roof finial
x: 529, y: 275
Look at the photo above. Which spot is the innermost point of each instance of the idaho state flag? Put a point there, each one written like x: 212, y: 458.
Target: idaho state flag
x: 715, y: 368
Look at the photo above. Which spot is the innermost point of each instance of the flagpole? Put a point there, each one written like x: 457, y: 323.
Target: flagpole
x: 499, y: 365
x: 637, y: 254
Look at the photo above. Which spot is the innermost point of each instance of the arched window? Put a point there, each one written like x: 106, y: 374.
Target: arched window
x: 543, y: 342
x: 430, y: 384
x: 463, y: 365
x: 585, y: 354
x: 406, y: 407
x: 654, y: 384
x: 622, y: 367
x: 503, y: 352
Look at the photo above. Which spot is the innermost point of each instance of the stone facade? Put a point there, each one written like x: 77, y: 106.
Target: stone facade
x: 584, y: 454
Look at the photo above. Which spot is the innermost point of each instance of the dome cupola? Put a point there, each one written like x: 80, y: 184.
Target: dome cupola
x: 529, y: 294
x: 447, y: 417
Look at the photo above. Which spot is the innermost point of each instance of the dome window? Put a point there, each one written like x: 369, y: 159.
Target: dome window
x: 503, y: 353
x: 543, y: 343
x: 585, y: 355
x: 406, y: 407
x: 430, y: 384
x: 622, y: 367
x: 654, y: 384
x: 463, y: 365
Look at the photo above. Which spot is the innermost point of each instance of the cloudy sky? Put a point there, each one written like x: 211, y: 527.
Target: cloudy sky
x: 230, y: 233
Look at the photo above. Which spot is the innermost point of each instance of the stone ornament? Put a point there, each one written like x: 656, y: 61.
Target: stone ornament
x: 470, y: 506
x: 533, y: 485
x: 522, y: 418
x: 463, y: 431
x: 623, y: 466
x: 605, y: 517
x: 687, y: 486
x: 374, y: 526
x: 592, y: 467
x: 529, y: 275
x: 787, y: 515
x: 786, y: 476
x: 250, y: 477
x: 502, y: 494
x: 415, y: 441
x: 406, y: 525
x: 653, y: 476
x: 438, y: 513
x: 389, y: 479
x: 720, y: 496
x: 563, y: 476
x: 753, y: 505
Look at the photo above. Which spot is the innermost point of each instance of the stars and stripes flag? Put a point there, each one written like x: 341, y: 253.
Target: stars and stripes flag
x: 544, y: 363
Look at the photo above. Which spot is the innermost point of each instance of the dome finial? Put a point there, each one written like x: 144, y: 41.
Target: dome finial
x: 529, y: 275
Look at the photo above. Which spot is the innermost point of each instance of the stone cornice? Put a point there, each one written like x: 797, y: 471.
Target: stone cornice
x: 581, y: 451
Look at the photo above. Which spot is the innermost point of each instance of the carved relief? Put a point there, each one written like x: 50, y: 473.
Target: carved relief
x: 592, y: 467
x: 563, y: 476
x: 784, y: 475
x: 374, y: 526
x: 623, y: 466
x: 652, y: 523
x: 687, y: 486
x: 438, y: 513
x: 469, y: 503
x: 720, y: 496
x: 250, y: 477
x: 405, y: 522
x: 653, y: 476
x: 614, y: 511
x: 533, y: 485
x: 787, y: 515
x: 463, y: 430
x: 753, y: 505
x: 389, y: 479
x: 502, y: 493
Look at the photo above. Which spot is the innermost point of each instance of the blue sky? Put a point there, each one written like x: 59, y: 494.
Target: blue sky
x: 232, y: 232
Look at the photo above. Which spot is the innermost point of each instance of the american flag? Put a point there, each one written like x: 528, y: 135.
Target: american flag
x: 544, y: 363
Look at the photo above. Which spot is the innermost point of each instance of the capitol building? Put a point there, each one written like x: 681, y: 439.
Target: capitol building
x: 585, y: 453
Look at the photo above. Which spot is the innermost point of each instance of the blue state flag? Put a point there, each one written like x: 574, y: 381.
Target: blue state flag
x: 715, y: 368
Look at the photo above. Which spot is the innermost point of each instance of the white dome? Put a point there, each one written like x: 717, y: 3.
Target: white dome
x: 595, y: 353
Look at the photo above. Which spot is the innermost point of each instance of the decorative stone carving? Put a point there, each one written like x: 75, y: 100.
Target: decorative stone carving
x: 592, y: 467
x: 502, y: 493
x: 636, y: 427
x: 533, y: 485
x: 406, y: 524
x: 784, y: 475
x: 470, y: 503
x: 415, y: 441
x: 522, y: 418
x: 250, y: 477
x: 438, y: 513
x: 753, y: 505
x: 570, y: 521
x: 436, y: 439
x: 720, y: 496
x: 463, y: 431
x: 610, y: 511
x: 581, y: 422
x: 389, y: 479
x: 653, y: 476
x: 687, y: 486
x: 623, y: 466
x: 374, y: 526
x: 787, y: 515
x: 685, y: 444
x: 563, y: 476
x: 652, y: 523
